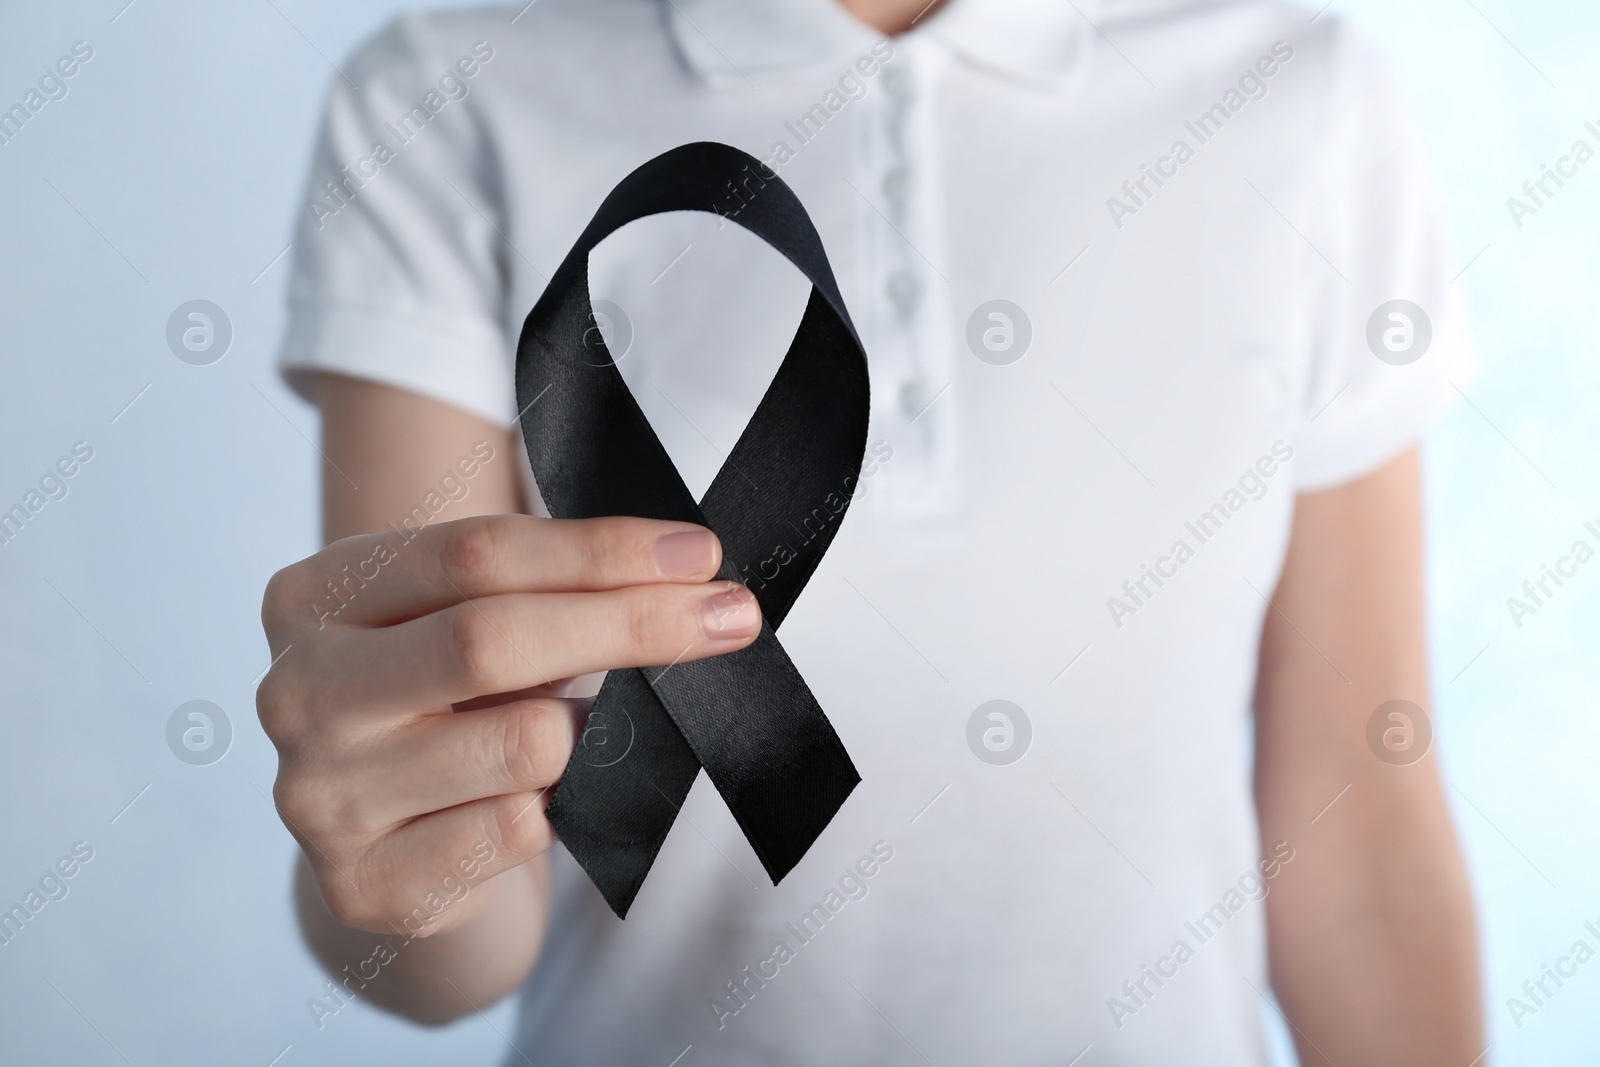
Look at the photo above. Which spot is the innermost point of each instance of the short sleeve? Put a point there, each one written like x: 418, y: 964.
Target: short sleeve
x: 397, y: 273
x: 1387, y: 339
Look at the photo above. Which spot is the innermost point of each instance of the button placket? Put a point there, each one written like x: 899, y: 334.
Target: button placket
x: 910, y: 345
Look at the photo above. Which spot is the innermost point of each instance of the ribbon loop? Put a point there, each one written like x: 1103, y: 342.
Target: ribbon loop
x: 747, y: 717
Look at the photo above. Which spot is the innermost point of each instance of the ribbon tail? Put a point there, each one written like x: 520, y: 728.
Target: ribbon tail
x: 617, y: 799
x: 765, y: 743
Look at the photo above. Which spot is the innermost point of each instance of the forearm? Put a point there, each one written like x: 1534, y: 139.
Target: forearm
x: 390, y: 451
x: 1371, y: 932
x: 433, y: 979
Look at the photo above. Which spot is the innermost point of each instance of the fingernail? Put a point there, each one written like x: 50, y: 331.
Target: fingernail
x: 686, y: 554
x: 730, y: 615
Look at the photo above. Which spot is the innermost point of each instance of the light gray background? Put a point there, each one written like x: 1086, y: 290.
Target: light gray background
x: 172, y: 171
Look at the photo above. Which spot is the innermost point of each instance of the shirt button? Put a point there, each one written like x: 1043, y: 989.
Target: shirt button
x: 897, y: 83
x: 897, y: 182
x: 903, y: 288
x: 914, y: 398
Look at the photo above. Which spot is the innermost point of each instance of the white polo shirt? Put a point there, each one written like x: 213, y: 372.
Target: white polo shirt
x: 1194, y: 217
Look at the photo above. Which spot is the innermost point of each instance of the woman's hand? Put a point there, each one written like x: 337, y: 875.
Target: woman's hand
x: 417, y: 698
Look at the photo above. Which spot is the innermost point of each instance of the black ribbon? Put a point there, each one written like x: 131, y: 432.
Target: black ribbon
x: 746, y: 717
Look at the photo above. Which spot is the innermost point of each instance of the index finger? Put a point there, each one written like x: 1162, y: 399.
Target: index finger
x: 382, y: 579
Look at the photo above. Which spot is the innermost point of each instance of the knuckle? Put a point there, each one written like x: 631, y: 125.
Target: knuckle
x: 612, y: 550
x: 534, y: 743
x: 517, y: 821
x: 316, y: 805
x: 347, y: 903
x: 296, y: 801
x: 590, y: 551
x: 284, y: 589
x: 357, y: 818
x: 278, y: 706
x: 309, y: 805
x: 648, y: 629
x: 479, y: 648
x: 348, y: 814
x: 472, y: 552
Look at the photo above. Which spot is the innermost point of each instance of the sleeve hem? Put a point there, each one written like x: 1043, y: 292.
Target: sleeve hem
x: 1363, y: 446
x: 463, y: 363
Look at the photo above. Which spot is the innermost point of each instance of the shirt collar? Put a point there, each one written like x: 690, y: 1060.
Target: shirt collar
x: 1037, y: 41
